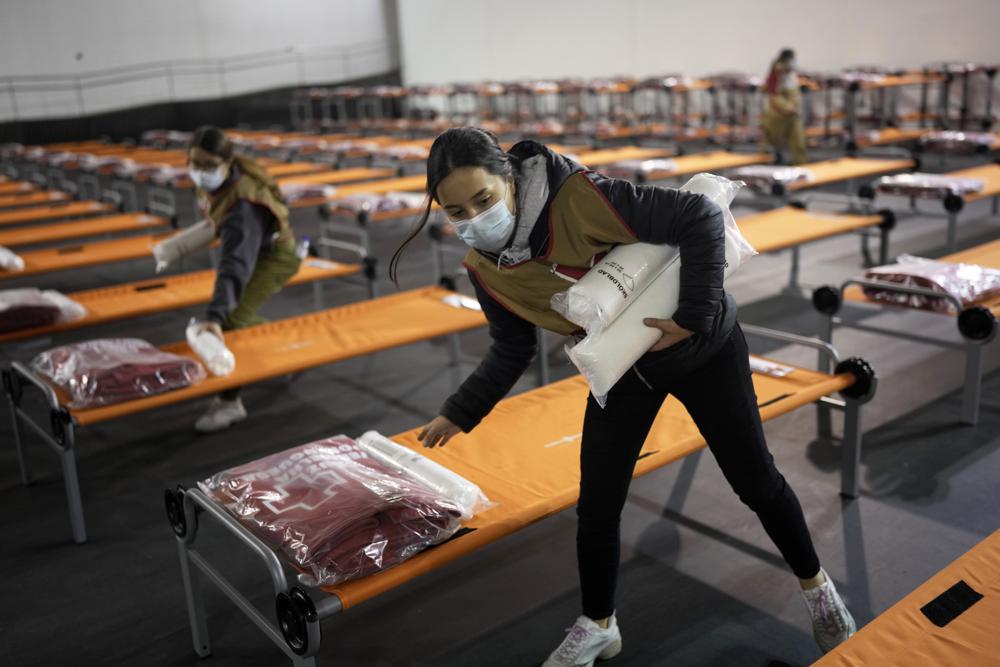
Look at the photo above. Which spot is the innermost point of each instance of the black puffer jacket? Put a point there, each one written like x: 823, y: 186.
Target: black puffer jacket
x: 691, y: 222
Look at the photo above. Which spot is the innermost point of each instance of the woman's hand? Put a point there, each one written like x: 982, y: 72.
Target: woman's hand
x: 438, y: 432
x: 672, y: 333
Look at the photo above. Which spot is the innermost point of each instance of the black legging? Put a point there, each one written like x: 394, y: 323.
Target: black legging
x: 719, y: 395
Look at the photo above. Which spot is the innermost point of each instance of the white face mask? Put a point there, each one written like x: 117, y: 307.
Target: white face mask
x: 209, y: 181
x: 488, y: 231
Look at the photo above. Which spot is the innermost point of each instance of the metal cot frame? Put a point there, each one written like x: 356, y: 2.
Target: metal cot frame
x: 952, y: 204
x: 977, y: 326
x: 62, y: 428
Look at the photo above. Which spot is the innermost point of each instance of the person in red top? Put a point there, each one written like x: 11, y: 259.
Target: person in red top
x: 782, y: 122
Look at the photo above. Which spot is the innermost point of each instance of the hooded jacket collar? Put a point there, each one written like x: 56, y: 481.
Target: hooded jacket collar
x: 541, y: 174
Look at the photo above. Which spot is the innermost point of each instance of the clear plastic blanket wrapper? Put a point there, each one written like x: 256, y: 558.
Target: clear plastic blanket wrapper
x: 65, y: 159
x: 969, y: 283
x: 468, y: 496
x: 377, y: 203
x: 336, y: 509
x: 29, y: 307
x: 11, y: 150
x: 114, y: 370
x: 928, y: 186
x: 293, y: 192
x: 632, y: 168
x: 951, y: 141
x: 140, y: 170
x: 613, y: 315
x: 305, y: 144
x: 100, y: 162
x: 262, y: 142
x: 175, y: 177
x: 763, y: 176
x: 163, y: 137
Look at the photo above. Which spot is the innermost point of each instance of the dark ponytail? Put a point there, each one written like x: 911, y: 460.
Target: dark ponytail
x: 454, y: 148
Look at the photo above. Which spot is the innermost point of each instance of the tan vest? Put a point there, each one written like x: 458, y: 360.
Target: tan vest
x: 582, y: 226
x: 217, y: 204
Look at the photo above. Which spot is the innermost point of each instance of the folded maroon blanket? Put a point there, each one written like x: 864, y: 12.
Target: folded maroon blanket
x: 27, y: 316
x: 113, y: 370
x: 969, y: 283
x: 334, y: 510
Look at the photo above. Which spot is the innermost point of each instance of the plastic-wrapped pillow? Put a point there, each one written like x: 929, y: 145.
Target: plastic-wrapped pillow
x: 633, y: 283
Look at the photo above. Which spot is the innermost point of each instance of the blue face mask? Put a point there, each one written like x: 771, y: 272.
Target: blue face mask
x: 209, y: 181
x: 488, y: 231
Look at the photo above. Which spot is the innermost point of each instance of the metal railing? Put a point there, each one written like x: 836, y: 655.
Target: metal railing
x: 79, y: 94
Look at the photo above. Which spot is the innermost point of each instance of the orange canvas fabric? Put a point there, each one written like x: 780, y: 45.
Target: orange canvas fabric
x: 712, y: 161
x: 15, y: 187
x: 789, y: 226
x: 525, y: 457
x: 903, y: 636
x: 988, y: 173
x: 337, y: 176
x: 836, y: 170
x: 65, y: 258
x: 157, y: 295
x: 70, y: 209
x: 595, y: 159
x: 64, y: 231
x: 303, y: 342
x: 10, y: 201
x: 403, y: 184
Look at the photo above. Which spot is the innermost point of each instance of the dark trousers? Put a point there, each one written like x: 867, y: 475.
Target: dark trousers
x: 272, y: 272
x: 719, y: 395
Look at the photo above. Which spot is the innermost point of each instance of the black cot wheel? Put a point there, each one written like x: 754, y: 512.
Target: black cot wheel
x: 295, y: 611
x: 174, y: 501
x: 953, y: 203
x: 888, y: 218
x: 863, y: 389
x: 826, y: 300
x: 977, y: 323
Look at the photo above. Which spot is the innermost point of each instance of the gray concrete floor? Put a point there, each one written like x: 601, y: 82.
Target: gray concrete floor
x: 701, y: 584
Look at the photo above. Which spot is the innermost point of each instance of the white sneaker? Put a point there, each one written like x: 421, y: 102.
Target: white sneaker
x: 221, y: 415
x: 586, y: 642
x: 832, y: 622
